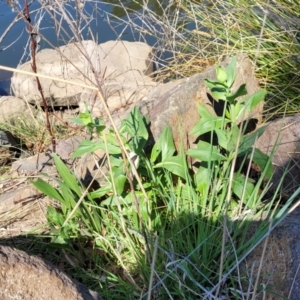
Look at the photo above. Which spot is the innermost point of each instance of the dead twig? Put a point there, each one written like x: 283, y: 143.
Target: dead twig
x: 33, y: 37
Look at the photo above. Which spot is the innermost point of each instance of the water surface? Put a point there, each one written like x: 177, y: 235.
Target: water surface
x: 106, y: 25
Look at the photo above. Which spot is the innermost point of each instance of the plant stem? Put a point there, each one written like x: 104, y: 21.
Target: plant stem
x: 33, y: 43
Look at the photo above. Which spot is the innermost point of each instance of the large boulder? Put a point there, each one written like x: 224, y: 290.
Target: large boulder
x: 121, y: 56
x: 282, y: 136
x: 177, y: 104
x: 73, y: 62
x: 11, y: 107
x: 279, y: 275
x: 28, y: 278
x: 122, y: 91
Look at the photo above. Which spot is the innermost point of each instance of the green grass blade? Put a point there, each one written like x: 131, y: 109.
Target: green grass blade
x: 47, y: 189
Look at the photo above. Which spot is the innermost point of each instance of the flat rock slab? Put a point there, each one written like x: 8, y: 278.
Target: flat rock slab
x: 43, y: 162
x: 14, y: 197
x: 22, y: 208
x: 31, y: 165
x: 25, y: 277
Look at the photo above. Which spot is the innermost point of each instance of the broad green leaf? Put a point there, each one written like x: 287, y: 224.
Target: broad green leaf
x: 235, y: 133
x: 261, y: 159
x: 223, y: 138
x: 167, y: 143
x: 86, y: 146
x: 85, y: 118
x: 221, y: 74
x: 206, y: 152
x: 99, y: 125
x: 212, y: 83
x: 155, y: 152
x: 68, y: 196
x: 54, y: 217
x: 112, y: 201
x: 240, y: 182
x: 119, y: 183
x: 136, y: 144
x: 116, y: 161
x: 112, y: 149
x: 202, y: 180
x: 111, y: 138
x: 255, y: 99
x: 175, y: 165
x: 248, y: 140
x: 47, y: 189
x: 234, y: 111
x: 77, y: 121
x: 60, y: 240
x: 99, y: 193
x: 218, y: 90
x: 208, y: 124
x: 204, y: 112
x: 237, y: 112
x: 241, y: 91
x: 136, y: 126
x: 219, y: 94
x: 68, y: 178
x: 231, y: 72
x: 240, y: 112
x: 164, y: 145
x: 228, y: 139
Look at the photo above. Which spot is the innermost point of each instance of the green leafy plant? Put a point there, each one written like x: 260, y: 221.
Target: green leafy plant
x: 68, y: 193
x: 181, y: 207
x: 232, y: 142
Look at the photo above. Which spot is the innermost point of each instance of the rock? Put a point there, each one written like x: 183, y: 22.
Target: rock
x: 33, y: 164
x: 71, y: 62
x: 11, y: 107
x: 8, y: 147
x: 28, y: 277
x: 284, y: 135
x: 120, y: 56
x: 279, y: 272
x: 65, y: 148
x: 7, y: 140
x: 10, y: 200
x: 66, y: 63
x: 63, y: 116
x: 120, y: 92
x: 42, y: 162
x: 22, y: 208
x: 125, y: 65
x: 87, y: 168
x: 179, y: 105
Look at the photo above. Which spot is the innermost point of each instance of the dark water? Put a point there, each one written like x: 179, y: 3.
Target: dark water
x: 109, y: 22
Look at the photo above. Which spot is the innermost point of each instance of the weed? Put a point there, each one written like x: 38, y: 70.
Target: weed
x: 183, y: 230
